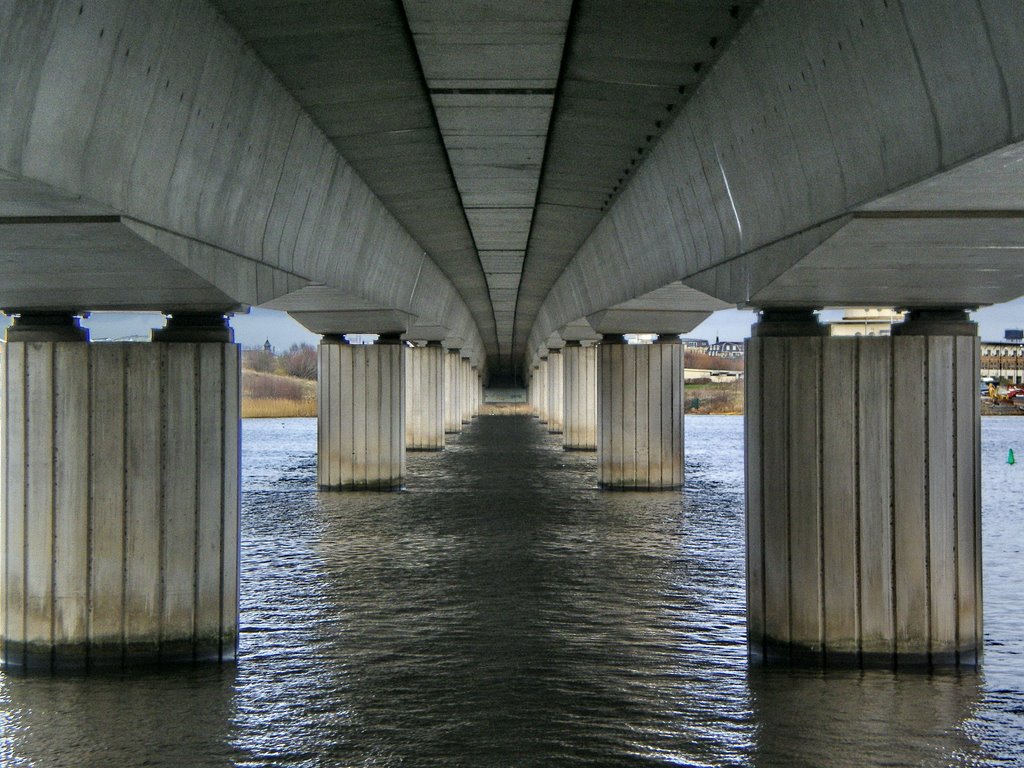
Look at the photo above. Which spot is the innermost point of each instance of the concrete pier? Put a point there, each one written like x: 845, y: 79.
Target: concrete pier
x: 580, y: 411
x: 542, y: 391
x: 424, y: 396
x: 361, y: 408
x: 863, y: 492
x: 452, y: 392
x: 555, y: 387
x: 119, y: 503
x: 640, y: 414
x: 466, y: 390
x: 475, y: 398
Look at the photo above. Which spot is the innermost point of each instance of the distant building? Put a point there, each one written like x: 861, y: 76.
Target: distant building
x: 865, y: 321
x: 729, y: 349
x: 695, y: 345
x: 1004, y: 360
x: 268, y: 347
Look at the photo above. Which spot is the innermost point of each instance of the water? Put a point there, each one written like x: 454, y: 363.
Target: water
x: 503, y: 612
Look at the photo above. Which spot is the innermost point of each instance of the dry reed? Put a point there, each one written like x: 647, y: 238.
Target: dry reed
x: 276, y: 408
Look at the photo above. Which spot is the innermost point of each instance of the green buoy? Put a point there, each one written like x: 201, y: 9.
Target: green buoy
x: 1009, y: 457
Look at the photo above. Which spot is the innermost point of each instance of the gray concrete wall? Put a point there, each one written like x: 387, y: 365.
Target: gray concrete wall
x: 863, y: 500
x: 640, y: 415
x: 119, y: 503
x: 815, y: 108
x: 424, y: 398
x: 580, y: 426
x: 361, y: 416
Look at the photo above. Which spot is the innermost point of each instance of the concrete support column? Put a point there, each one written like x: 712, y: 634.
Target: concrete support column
x: 119, y: 505
x: 863, y: 495
x: 424, y: 395
x: 580, y: 411
x: 534, y: 390
x: 474, y: 383
x: 542, y: 391
x: 640, y: 414
x: 555, y: 392
x: 465, y: 390
x: 361, y: 409
x: 452, y: 392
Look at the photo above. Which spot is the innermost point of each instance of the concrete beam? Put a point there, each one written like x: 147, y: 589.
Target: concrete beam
x: 162, y: 114
x: 783, y: 138
x: 97, y: 262
x: 673, y: 309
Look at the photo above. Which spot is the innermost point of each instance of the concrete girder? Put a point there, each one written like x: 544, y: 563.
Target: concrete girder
x: 426, y: 331
x: 673, y: 309
x: 579, y: 330
x: 329, y: 311
x: 814, y: 111
x: 96, y: 263
x: 163, y: 115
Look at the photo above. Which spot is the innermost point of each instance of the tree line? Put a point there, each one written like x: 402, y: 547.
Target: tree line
x: 298, y: 360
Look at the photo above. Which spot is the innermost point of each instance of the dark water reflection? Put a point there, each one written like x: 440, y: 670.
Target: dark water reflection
x: 503, y: 612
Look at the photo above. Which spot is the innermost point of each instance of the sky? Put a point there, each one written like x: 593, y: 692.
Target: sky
x: 260, y: 325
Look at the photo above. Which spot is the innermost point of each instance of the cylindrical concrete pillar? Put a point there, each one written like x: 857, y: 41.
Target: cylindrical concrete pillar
x: 542, y: 391
x: 361, y: 409
x: 452, y: 392
x: 119, y: 502
x: 424, y: 397
x: 555, y: 392
x: 863, y: 508
x: 580, y: 409
x: 640, y: 414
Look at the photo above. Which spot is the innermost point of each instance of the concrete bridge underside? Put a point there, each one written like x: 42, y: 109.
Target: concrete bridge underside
x: 491, y: 175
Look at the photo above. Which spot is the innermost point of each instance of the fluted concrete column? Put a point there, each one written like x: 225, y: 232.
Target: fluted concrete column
x: 863, y: 501
x: 555, y: 389
x: 474, y: 383
x: 640, y: 414
x: 535, y: 391
x: 580, y: 411
x: 542, y: 391
x: 452, y: 392
x: 424, y: 397
x: 465, y: 390
x: 361, y: 409
x: 119, y: 504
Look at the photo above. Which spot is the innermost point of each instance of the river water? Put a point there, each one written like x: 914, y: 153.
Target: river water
x: 504, y: 612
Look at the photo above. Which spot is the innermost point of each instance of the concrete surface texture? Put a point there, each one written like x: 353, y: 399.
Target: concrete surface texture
x: 640, y: 414
x: 580, y: 397
x: 863, y: 500
x: 361, y: 416
x: 120, y: 513
x: 504, y: 170
x: 424, y: 398
x: 452, y: 392
x: 555, y: 392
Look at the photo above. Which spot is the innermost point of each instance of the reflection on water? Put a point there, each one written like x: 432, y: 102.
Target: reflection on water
x: 503, y: 611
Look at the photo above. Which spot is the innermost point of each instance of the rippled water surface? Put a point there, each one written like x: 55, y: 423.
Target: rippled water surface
x: 503, y: 612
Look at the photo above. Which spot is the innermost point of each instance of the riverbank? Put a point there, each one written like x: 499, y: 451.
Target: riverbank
x: 725, y: 399
x: 273, y: 396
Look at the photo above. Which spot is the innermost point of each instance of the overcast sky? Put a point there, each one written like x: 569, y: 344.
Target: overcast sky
x: 263, y: 324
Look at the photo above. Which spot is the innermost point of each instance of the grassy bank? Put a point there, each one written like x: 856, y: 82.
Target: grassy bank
x: 271, y: 396
x: 721, y: 399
